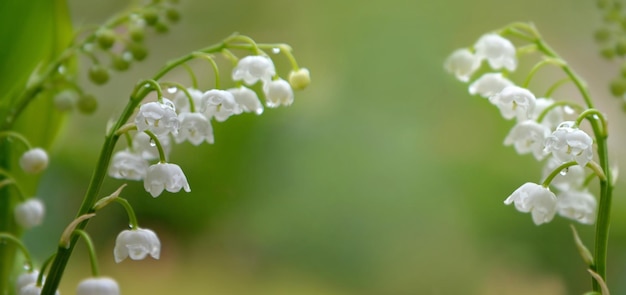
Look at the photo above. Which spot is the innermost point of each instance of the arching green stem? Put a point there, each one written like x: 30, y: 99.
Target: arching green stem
x: 592, y: 115
x: 92, y: 251
x: 539, y: 65
x: 192, y: 104
x: 556, y: 172
x: 557, y: 104
x: 132, y: 218
x: 19, y: 137
x: 556, y: 85
x: 216, y: 70
x: 158, y: 145
x: 192, y: 75
x: 20, y: 245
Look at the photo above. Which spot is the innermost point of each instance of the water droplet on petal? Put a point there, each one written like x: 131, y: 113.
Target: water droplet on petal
x: 276, y: 50
x: 568, y: 110
x: 172, y: 90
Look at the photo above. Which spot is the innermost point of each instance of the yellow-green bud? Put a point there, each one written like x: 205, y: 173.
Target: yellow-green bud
x: 620, y: 47
x: 105, y: 38
x: 602, y: 35
x: 608, y: 52
x: 161, y: 27
x: 299, y: 79
x: 136, y: 33
x: 87, y: 104
x: 138, y: 51
x: 98, y: 74
x: 120, y: 63
x: 618, y: 87
x: 151, y: 16
x: 172, y: 14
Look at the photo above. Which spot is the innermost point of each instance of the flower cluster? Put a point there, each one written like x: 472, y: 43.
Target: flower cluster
x: 188, y: 117
x: 540, y: 130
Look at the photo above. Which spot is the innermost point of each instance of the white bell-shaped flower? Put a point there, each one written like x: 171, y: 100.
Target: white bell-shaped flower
x: 195, y: 128
x: 571, y: 178
x: 34, y: 161
x: 247, y: 100
x: 98, y: 286
x: 489, y: 85
x: 528, y: 137
x: 219, y: 104
x: 136, y: 244
x: 462, y: 63
x: 536, y: 199
x: 29, y: 213
x: 300, y: 79
x: 499, y: 51
x: 254, y: 68
x: 577, y: 205
x: 554, y: 116
x: 145, y: 146
x: 277, y: 93
x: 568, y: 143
x: 128, y: 165
x: 165, y: 176
x: 25, y: 279
x: 32, y: 289
x: 160, y: 118
x: 181, y: 101
x: 514, y: 102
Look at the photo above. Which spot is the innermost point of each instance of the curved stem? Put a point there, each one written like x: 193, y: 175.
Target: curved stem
x: 556, y: 85
x: 158, y: 145
x: 539, y: 65
x: 593, y: 114
x: 557, y: 104
x: 213, y: 65
x: 43, y: 269
x: 19, y: 137
x: 8, y: 177
x: 192, y: 105
x: 556, y: 172
x: 132, y: 218
x: 92, y: 251
x: 20, y: 245
x: 192, y: 75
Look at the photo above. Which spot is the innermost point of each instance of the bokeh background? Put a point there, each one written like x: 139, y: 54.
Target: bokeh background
x: 384, y: 176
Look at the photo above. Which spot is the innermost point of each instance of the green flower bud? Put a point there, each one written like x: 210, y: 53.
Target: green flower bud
x: 161, y: 28
x: 87, y: 104
x: 98, y: 74
x: 299, y: 79
x: 151, y: 16
x: 602, y: 35
x: 608, y: 52
x: 65, y: 100
x: 105, y: 38
x: 172, y: 14
x: 602, y: 4
x: 623, y: 70
x: 136, y: 33
x: 138, y: 51
x: 120, y: 63
x: 612, y: 16
x: 618, y: 87
x: 620, y: 47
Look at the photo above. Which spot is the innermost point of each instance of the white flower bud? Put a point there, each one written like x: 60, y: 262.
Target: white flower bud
x: 277, y: 93
x: 254, y: 68
x: 570, y: 144
x: 577, y: 205
x: 462, y: 63
x: 34, y: 161
x: 165, y: 176
x: 499, y: 51
x: 489, y: 85
x: 536, y: 199
x: 29, y: 213
x: 514, y: 102
x: 247, y: 100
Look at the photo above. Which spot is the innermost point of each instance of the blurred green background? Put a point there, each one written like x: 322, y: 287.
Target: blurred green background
x: 384, y: 176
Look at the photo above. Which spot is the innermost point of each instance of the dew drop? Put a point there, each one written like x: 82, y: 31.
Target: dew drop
x: 564, y: 171
x: 27, y: 266
x: 127, y: 56
x: 276, y: 50
x: 152, y: 143
x: 172, y: 90
x: 568, y: 110
x: 62, y: 70
x: 596, y: 117
x: 88, y: 47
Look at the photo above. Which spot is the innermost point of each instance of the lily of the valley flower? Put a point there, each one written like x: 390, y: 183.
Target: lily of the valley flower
x: 568, y: 143
x: 195, y: 128
x: 219, y: 104
x: 462, y: 63
x: 29, y: 213
x: 98, y: 286
x: 144, y: 146
x: 528, y: 137
x: 553, y: 118
x: 499, y: 51
x: 489, y: 85
x: 181, y: 101
x: 300, y: 79
x: 32, y: 289
x: 165, y: 176
x: 136, y: 244
x: 247, y: 100
x: 577, y: 205
x: 277, y: 93
x: 514, y: 102
x: 536, y: 199
x: 25, y: 279
x: 254, y: 68
x: 160, y: 118
x: 34, y: 161
x: 128, y: 165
